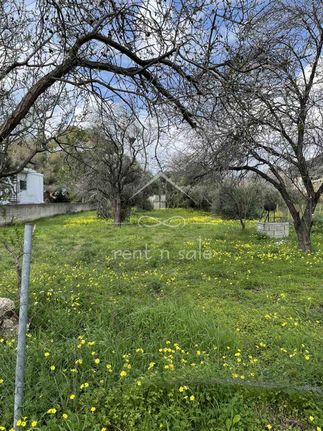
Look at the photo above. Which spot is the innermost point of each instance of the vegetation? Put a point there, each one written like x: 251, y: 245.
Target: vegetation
x: 239, y: 202
x: 107, y: 160
x: 97, y: 52
x: 120, y: 342
x: 243, y: 200
x: 248, y: 80
x: 268, y: 122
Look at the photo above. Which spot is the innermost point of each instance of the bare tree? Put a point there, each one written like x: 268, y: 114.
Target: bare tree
x: 270, y: 121
x: 55, y: 53
x: 107, y: 160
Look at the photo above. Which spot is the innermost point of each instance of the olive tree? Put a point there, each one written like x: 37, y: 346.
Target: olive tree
x: 239, y: 199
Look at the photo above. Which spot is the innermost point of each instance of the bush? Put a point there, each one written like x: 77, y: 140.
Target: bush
x: 239, y: 201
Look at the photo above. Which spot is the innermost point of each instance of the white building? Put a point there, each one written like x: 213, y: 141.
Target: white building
x: 158, y: 201
x: 27, y: 187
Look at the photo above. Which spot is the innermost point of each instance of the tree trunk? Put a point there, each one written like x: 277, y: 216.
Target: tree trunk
x: 303, y: 232
x: 117, y: 211
x: 243, y: 224
x: 303, y: 223
x: 103, y: 209
x: 303, y: 227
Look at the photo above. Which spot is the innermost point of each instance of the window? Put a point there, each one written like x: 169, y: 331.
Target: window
x: 22, y: 185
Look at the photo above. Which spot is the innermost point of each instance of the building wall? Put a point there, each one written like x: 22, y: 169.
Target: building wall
x: 158, y: 202
x: 317, y: 183
x: 34, y: 194
x: 273, y: 230
x: 30, y: 212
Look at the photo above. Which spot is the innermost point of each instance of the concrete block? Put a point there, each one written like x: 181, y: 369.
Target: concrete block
x: 273, y: 229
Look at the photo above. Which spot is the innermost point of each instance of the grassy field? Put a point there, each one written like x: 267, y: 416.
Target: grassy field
x: 191, y: 324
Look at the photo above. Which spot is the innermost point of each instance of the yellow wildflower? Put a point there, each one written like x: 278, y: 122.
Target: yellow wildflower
x: 183, y: 388
x: 52, y: 411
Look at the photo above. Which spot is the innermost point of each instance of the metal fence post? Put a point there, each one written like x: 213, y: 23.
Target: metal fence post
x: 23, y: 320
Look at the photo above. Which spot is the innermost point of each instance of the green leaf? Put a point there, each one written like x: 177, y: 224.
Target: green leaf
x: 236, y: 419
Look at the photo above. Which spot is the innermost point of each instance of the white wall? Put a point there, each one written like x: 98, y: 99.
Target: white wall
x: 158, y: 202
x: 35, y: 188
x: 30, y: 212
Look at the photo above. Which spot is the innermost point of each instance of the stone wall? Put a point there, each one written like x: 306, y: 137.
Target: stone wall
x: 30, y: 212
x: 273, y: 229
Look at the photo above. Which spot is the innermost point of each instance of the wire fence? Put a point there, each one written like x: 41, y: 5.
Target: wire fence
x: 284, y: 214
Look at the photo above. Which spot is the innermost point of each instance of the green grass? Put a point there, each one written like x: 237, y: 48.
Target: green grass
x: 216, y: 330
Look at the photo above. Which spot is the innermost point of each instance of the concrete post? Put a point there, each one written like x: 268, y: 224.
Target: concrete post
x: 23, y: 320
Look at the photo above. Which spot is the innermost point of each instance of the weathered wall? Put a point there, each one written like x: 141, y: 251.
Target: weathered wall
x: 273, y: 230
x: 29, y: 212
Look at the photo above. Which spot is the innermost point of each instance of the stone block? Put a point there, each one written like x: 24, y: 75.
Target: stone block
x: 273, y: 229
